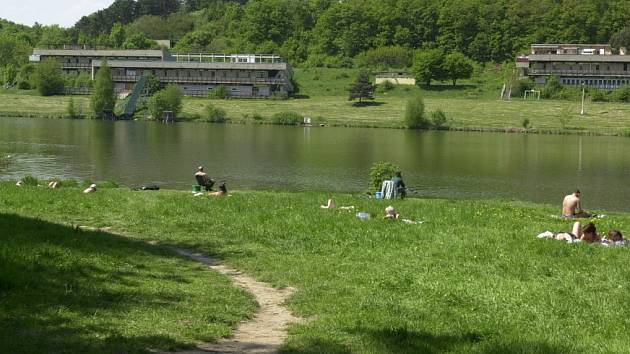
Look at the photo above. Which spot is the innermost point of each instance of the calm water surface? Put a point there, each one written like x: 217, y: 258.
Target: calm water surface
x: 541, y: 168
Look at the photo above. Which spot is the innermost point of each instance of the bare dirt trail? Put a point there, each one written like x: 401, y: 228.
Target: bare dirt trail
x: 264, y: 333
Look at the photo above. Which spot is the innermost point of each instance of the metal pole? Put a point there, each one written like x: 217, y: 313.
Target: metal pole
x: 583, y: 93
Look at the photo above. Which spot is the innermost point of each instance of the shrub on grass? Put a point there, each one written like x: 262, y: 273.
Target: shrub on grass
x: 526, y: 123
x: 438, y: 118
x: 214, y: 114
x: 381, y: 171
x: 415, y: 117
x: 600, y: 95
x: 219, y: 93
x: 287, y: 118
x: 71, y: 110
x: 519, y: 88
x: 30, y: 180
x: 622, y: 94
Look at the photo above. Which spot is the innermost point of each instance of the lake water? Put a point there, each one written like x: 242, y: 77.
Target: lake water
x: 541, y: 168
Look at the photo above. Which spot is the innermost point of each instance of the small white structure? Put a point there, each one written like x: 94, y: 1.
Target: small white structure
x: 396, y: 78
x: 533, y: 94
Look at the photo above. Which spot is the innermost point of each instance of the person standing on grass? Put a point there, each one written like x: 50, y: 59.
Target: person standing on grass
x: 399, y: 185
x: 572, y: 208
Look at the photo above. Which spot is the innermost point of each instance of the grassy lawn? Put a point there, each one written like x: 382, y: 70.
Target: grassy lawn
x: 472, y: 279
x: 69, y: 291
x: 472, y: 105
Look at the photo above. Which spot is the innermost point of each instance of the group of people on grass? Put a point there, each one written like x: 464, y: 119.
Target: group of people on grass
x: 572, y: 209
x: 206, y: 182
x: 57, y: 184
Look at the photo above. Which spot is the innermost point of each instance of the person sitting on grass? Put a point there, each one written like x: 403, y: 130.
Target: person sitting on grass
x: 572, y: 208
x: 90, y: 189
x: 203, y: 179
x: 222, y: 192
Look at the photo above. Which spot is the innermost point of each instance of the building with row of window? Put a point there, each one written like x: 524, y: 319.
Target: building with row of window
x: 592, y: 65
x: 243, y: 75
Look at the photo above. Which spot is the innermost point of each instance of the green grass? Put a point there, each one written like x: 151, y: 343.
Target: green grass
x: 471, y: 105
x: 472, y: 279
x: 64, y: 290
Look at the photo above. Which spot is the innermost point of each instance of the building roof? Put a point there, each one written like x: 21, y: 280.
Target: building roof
x: 99, y: 53
x: 581, y: 58
x: 570, y: 45
x: 189, y: 65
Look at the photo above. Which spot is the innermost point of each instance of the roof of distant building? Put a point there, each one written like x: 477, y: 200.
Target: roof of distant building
x: 189, y: 65
x: 99, y: 53
x: 580, y: 58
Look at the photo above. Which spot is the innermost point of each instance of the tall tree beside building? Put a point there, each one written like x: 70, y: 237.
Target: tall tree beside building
x: 48, y: 77
x: 103, y: 97
x: 457, y: 66
x: 427, y: 66
x: 362, y: 87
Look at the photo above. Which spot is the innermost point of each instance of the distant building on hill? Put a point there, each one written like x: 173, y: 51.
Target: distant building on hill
x: 243, y: 75
x: 592, y: 65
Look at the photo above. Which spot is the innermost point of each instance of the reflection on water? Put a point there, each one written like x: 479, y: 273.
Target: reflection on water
x: 442, y: 164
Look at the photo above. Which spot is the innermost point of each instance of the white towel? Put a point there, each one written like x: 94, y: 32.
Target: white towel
x: 387, y: 191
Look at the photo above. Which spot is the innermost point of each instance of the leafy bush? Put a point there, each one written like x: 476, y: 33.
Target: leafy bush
x: 438, y: 118
x: 219, y: 93
x: 169, y: 99
x: 280, y: 95
x: 599, y: 95
x: 552, y: 88
x: 48, y: 77
x: 386, y: 57
x: 622, y: 94
x: 519, y: 88
x: 385, y: 86
x: 287, y: 118
x: 415, y: 117
x: 71, y: 110
x: 30, y: 180
x: 214, y: 114
x: 525, y: 123
x: 380, y: 172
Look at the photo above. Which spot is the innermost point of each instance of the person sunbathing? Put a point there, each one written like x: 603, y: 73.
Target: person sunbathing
x: 222, y: 192
x: 589, y: 233
x: 90, y: 189
x: 54, y: 184
x: 572, y: 206
x: 614, y: 238
x: 332, y: 205
x: 390, y: 213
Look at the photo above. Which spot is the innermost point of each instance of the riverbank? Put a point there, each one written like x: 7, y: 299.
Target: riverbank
x: 463, y: 114
x: 471, y: 278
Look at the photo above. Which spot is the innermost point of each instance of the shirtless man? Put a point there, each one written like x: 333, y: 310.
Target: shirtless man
x: 203, y: 179
x: 571, y: 207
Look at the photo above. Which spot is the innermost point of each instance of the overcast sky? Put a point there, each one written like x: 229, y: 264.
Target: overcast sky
x: 49, y: 12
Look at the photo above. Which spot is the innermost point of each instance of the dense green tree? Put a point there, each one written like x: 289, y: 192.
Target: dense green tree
x: 457, y: 66
x: 103, y: 96
x: 427, y: 66
x: 138, y: 41
x: 621, y: 38
x: 169, y: 99
x: 117, y: 36
x: 48, y: 77
x: 362, y: 87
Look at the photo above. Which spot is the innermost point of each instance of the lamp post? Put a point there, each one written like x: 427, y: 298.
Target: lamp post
x: 583, y: 94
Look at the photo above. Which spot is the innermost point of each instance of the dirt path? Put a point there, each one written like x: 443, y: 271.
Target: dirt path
x: 266, y: 332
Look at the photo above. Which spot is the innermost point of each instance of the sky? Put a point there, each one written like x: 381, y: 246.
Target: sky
x: 64, y: 13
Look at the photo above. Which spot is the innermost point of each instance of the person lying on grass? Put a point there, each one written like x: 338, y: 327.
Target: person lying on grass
x: 391, y: 213
x: 90, y: 189
x: 222, y: 192
x: 615, y: 238
x: 586, y: 234
x: 332, y: 205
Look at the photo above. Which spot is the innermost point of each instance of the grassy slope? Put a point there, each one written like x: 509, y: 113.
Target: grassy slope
x: 471, y: 105
x: 474, y: 278
x: 68, y: 291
